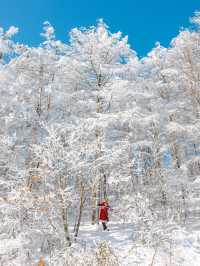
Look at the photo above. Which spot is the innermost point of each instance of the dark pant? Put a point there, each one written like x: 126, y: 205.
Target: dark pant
x: 104, y: 226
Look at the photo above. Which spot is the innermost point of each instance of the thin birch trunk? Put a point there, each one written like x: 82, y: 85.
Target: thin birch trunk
x: 65, y: 221
x: 82, y: 201
x: 94, y: 204
x: 63, y: 210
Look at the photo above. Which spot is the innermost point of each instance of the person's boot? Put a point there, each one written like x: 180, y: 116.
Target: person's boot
x: 104, y: 226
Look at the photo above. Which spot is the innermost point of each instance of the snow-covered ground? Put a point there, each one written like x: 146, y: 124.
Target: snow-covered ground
x: 119, y: 235
x: 182, y: 250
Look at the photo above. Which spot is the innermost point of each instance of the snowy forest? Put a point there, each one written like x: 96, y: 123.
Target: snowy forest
x: 89, y: 120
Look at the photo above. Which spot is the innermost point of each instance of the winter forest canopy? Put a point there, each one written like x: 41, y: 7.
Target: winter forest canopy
x: 88, y: 120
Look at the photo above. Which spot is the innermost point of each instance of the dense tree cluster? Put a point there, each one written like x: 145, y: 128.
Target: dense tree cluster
x: 87, y: 120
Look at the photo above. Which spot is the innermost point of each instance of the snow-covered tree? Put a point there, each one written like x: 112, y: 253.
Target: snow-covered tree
x: 89, y: 120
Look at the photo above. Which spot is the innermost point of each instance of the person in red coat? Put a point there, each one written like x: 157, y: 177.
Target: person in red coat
x: 103, y: 214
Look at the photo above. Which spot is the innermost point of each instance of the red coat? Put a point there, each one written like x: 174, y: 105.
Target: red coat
x: 103, y: 212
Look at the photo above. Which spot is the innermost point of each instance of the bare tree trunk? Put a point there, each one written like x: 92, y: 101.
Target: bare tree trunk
x: 65, y: 222
x: 82, y: 201
x: 40, y: 91
x: 79, y: 220
x: 176, y: 155
x: 96, y: 187
x: 105, y: 186
x: 49, y: 94
x: 94, y: 204
x: 48, y: 102
x: 63, y: 210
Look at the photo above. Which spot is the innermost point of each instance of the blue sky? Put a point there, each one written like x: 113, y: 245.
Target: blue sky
x: 144, y: 21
